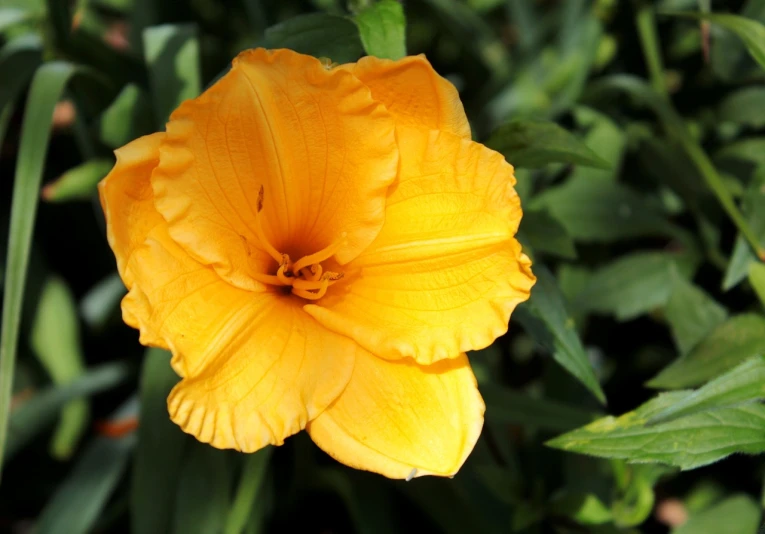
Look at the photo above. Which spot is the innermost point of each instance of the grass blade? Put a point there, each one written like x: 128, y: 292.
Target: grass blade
x: 47, y: 86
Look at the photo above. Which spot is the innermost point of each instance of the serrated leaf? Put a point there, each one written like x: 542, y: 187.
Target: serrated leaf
x: 737, y: 339
x: 319, y: 35
x: 172, y: 57
x: 738, y: 514
x: 740, y: 385
x: 546, y: 319
x: 600, y: 211
x: 55, y: 340
x: 78, y: 183
x: 534, y: 144
x: 545, y: 234
x: 382, y: 28
x: 631, y: 285
x: 691, y: 314
x: 687, y: 443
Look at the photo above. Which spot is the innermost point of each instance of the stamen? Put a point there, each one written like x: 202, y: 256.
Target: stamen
x: 281, y: 275
x: 318, y: 257
x: 313, y: 272
x: 275, y: 254
x: 312, y: 296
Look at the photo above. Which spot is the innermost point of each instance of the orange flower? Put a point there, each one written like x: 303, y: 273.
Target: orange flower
x: 318, y: 247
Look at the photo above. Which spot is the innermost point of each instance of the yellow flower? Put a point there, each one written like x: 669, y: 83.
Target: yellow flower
x: 318, y: 247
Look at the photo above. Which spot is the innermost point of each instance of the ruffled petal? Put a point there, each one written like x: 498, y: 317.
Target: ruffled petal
x: 127, y: 198
x: 321, y: 148
x: 413, y: 92
x: 403, y: 420
x: 445, y: 273
x: 256, y: 367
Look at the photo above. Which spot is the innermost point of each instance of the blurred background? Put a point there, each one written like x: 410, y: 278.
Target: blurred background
x: 637, y: 135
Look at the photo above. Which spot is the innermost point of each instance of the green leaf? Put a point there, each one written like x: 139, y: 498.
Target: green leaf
x: 35, y: 414
x: 172, y: 56
x: 19, y: 59
x: 687, y: 443
x: 675, y: 126
x: 738, y: 514
x: 757, y: 280
x: 77, y: 503
x: 546, y: 319
x: 751, y: 32
x: 507, y: 406
x: 740, y: 385
x: 78, y: 183
x: 534, y: 144
x: 382, y: 28
x: 47, y: 86
x: 691, y: 314
x: 751, y: 150
x: 127, y: 118
x: 10, y: 16
x: 545, y: 234
x: 753, y: 206
x: 745, y: 106
x: 631, y: 285
x: 596, y: 210
x: 202, y: 499
x: 319, y: 35
x: 102, y: 301
x: 55, y: 340
x: 609, y: 139
x: 157, y: 463
x: 248, y: 499
x: 735, y: 340
x: 584, y: 508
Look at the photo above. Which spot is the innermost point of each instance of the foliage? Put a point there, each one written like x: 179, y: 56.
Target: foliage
x: 636, y: 130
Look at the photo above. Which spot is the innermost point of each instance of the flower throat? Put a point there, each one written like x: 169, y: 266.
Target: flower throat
x: 306, y: 276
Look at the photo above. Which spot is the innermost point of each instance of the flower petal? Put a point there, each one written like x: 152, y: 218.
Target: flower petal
x: 401, y: 420
x: 282, y: 121
x: 257, y: 368
x: 445, y: 272
x: 413, y: 92
x: 127, y: 198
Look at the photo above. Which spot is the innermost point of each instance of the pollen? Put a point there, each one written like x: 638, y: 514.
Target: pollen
x: 306, y: 277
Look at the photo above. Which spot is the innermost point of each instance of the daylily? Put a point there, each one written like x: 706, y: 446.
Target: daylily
x: 318, y: 247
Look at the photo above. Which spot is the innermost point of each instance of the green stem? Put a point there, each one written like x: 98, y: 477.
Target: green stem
x: 649, y: 42
x: 715, y: 183
x: 646, y: 24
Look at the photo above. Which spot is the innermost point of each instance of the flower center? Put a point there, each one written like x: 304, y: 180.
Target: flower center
x: 306, y: 276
